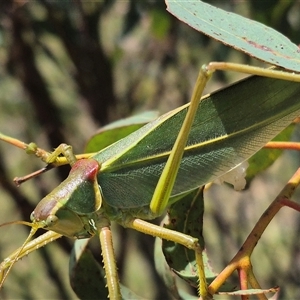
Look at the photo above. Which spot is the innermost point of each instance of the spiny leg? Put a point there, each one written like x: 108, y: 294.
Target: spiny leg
x: 109, y: 261
x: 180, y: 238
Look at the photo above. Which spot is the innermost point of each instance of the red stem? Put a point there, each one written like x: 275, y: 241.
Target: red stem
x: 241, y: 260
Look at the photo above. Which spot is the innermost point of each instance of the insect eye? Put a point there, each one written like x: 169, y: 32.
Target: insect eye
x: 32, y: 217
x: 51, y: 220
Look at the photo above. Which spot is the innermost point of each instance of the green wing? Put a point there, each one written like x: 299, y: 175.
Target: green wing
x: 230, y: 126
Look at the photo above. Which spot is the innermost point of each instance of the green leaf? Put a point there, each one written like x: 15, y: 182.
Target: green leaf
x: 164, y: 270
x: 86, y: 275
x: 186, y: 216
x: 117, y: 130
x: 253, y: 38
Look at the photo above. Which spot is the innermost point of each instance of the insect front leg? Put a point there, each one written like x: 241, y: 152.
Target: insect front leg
x: 66, y: 151
x: 52, y: 158
x: 26, y: 249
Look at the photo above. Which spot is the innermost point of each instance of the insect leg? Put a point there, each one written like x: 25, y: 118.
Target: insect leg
x: 109, y: 261
x: 180, y: 238
x: 167, y: 179
x: 29, y: 247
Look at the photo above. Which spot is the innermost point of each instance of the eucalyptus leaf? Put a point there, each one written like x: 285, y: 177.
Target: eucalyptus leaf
x: 117, y: 130
x: 185, y: 216
x: 251, y: 37
x: 86, y: 275
x: 164, y: 270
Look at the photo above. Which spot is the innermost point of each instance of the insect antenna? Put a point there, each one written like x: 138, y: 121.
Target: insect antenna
x: 10, y: 261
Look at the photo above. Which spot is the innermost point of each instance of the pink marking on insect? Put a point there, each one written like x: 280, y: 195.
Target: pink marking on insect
x: 88, y: 167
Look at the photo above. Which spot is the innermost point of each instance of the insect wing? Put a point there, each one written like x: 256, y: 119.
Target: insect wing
x: 231, y: 125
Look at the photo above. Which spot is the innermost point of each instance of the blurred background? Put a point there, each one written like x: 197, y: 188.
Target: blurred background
x: 70, y: 67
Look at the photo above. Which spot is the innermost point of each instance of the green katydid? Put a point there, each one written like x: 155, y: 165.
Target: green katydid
x: 226, y: 131
x: 131, y: 179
